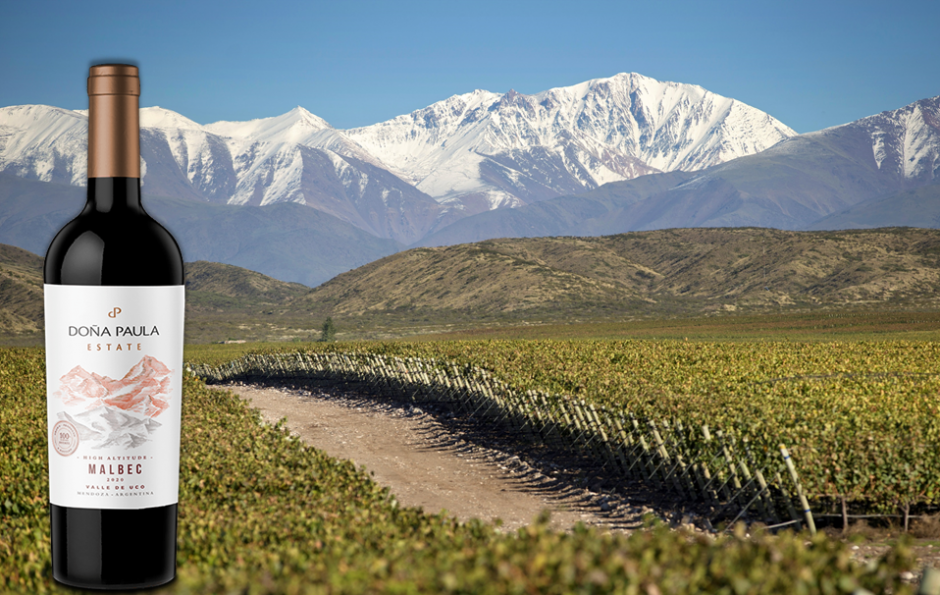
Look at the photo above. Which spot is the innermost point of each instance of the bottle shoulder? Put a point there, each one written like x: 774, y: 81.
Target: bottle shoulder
x: 113, y: 249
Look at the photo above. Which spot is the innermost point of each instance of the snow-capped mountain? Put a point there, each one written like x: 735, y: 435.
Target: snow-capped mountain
x: 297, y: 126
x: 905, y: 143
x: 300, y: 157
x: 812, y: 175
x: 866, y: 170
x: 514, y: 149
x: 44, y: 143
x: 404, y: 178
x: 270, y: 148
x: 296, y: 157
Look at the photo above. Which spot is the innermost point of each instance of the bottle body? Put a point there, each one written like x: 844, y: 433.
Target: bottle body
x: 108, y: 250
x: 114, y: 337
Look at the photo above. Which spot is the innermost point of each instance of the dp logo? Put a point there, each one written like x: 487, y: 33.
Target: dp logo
x: 114, y: 313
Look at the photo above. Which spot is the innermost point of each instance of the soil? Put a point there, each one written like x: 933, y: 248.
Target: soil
x: 424, y: 465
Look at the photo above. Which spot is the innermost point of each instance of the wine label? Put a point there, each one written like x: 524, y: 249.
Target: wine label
x: 114, y: 359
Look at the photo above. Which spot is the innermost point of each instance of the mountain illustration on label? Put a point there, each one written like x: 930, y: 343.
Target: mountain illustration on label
x: 145, y: 389
x: 116, y: 413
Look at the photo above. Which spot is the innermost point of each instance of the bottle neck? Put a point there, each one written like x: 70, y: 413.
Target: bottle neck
x: 114, y: 195
x: 113, y: 121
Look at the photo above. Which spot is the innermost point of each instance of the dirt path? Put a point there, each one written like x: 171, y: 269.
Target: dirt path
x: 423, y: 465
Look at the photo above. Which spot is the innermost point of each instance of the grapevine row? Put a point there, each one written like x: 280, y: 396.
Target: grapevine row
x: 692, y: 461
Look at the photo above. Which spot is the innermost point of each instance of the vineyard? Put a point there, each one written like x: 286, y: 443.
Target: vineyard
x: 859, y: 418
x: 262, y: 513
x: 614, y: 446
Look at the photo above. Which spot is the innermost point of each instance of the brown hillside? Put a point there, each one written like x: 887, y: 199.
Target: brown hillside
x: 217, y: 295
x: 235, y: 282
x: 21, y: 308
x: 683, y: 270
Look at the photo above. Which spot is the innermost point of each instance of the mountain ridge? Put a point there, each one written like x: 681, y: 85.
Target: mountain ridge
x: 516, y: 154
x: 648, y: 273
x: 588, y: 134
x: 218, y: 297
x: 539, y: 154
x: 652, y: 274
x: 791, y: 185
x: 287, y: 241
x: 187, y: 160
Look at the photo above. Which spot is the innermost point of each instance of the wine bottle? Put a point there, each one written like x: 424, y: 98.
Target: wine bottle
x: 114, y: 299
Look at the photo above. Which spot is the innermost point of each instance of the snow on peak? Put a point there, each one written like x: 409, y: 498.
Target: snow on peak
x: 295, y: 126
x: 22, y: 117
x: 307, y: 118
x: 44, y: 143
x: 590, y: 133
x: 158, y: 117
x: 905, y: 141
x: 470, y: 151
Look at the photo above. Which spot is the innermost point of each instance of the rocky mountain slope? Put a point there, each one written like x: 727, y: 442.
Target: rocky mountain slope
x: 791, y: 185
x: 485, y: 150
x: 21, y: 307
x: 287, y: 241
x: 650, y: 274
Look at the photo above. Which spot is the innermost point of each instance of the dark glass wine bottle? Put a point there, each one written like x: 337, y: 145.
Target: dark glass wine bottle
x: 114, y: 338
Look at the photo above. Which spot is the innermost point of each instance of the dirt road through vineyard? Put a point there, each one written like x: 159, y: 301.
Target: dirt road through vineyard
x: 408, y: 451
x: 424, y: 464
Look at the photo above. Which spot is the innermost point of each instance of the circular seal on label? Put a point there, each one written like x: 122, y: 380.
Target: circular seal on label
x: 65, y: 438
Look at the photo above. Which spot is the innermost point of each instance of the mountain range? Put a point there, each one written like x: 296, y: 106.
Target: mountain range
x: 484, y: 150
x: 409, y: 176
x: 808, y: 181
x: 294, y: 198
x: 287, y: 241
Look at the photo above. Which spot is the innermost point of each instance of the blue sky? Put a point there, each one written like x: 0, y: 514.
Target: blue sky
x: 810, y: 64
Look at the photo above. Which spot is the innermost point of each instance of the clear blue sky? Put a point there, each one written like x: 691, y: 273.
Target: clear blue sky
x: 811, y: 64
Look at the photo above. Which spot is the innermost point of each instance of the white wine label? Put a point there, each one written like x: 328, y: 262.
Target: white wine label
x: 114, y: 359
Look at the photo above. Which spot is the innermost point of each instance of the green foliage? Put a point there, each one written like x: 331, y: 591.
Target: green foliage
x: 328, y: 334
x: 262, y: 513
